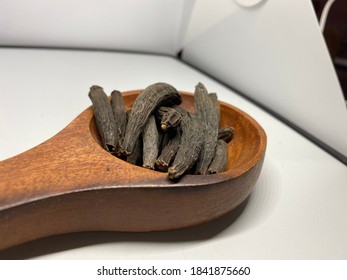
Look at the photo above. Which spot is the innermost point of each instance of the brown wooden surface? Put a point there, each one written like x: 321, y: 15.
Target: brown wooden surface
x: 70, y: 184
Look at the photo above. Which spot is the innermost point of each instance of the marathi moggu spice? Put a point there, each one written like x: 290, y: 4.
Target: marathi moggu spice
x: 151, y: 98
x: 169, y: 117
x: 168, y: 151
x: 214, y: 98
x: 189, y: 148
x: 120, y: 117
x: 104, y: 118
x: 226, y: 134
x: 136, y: 156
x: 208, y: 117
x: 150, y: 136
x: 220, y: 158
x: 158, y: 134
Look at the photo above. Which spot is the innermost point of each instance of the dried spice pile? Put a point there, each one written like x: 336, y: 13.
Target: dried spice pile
x: 158, y: 134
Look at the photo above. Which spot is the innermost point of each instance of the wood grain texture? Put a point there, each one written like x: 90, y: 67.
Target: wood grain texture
x: 70, y: 184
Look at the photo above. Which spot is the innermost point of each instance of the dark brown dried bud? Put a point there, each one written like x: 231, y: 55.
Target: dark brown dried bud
x: 120, y: 117
x: 104, y: 118
x: 169, y: 117
x: 152, y: 97
x: 151, y: 143
x: 213, y: 96
x: 220, y: 159
x: 136, y: 156
x: 190, y: 146
x: 169, y: 150
x: 208, y: 118
x: 226, y: 134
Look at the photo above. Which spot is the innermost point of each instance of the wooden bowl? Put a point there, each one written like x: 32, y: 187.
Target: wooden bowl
x: 71, y: 184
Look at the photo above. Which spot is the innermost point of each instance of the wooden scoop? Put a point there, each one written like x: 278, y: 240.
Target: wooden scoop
x: 71, y: 184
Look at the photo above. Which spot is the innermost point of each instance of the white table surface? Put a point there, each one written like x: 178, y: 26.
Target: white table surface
x: 298, y: 209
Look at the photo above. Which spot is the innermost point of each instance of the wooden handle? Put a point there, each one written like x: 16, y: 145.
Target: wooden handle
x: 72, y: 161
x: 62, y: 163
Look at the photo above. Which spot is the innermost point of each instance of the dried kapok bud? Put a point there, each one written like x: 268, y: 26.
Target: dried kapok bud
x: 213, y: 96
x: 104, y: 118
x: 226, y: 134
x: 207, y: 114
x: 151, y: 143
x: 169, y: 117
x: 120, y: 117
x: 136, y: 156
x: 159, y: 94
x: 169, y: 150
x: 220, y: 159
x: 190, y: 146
